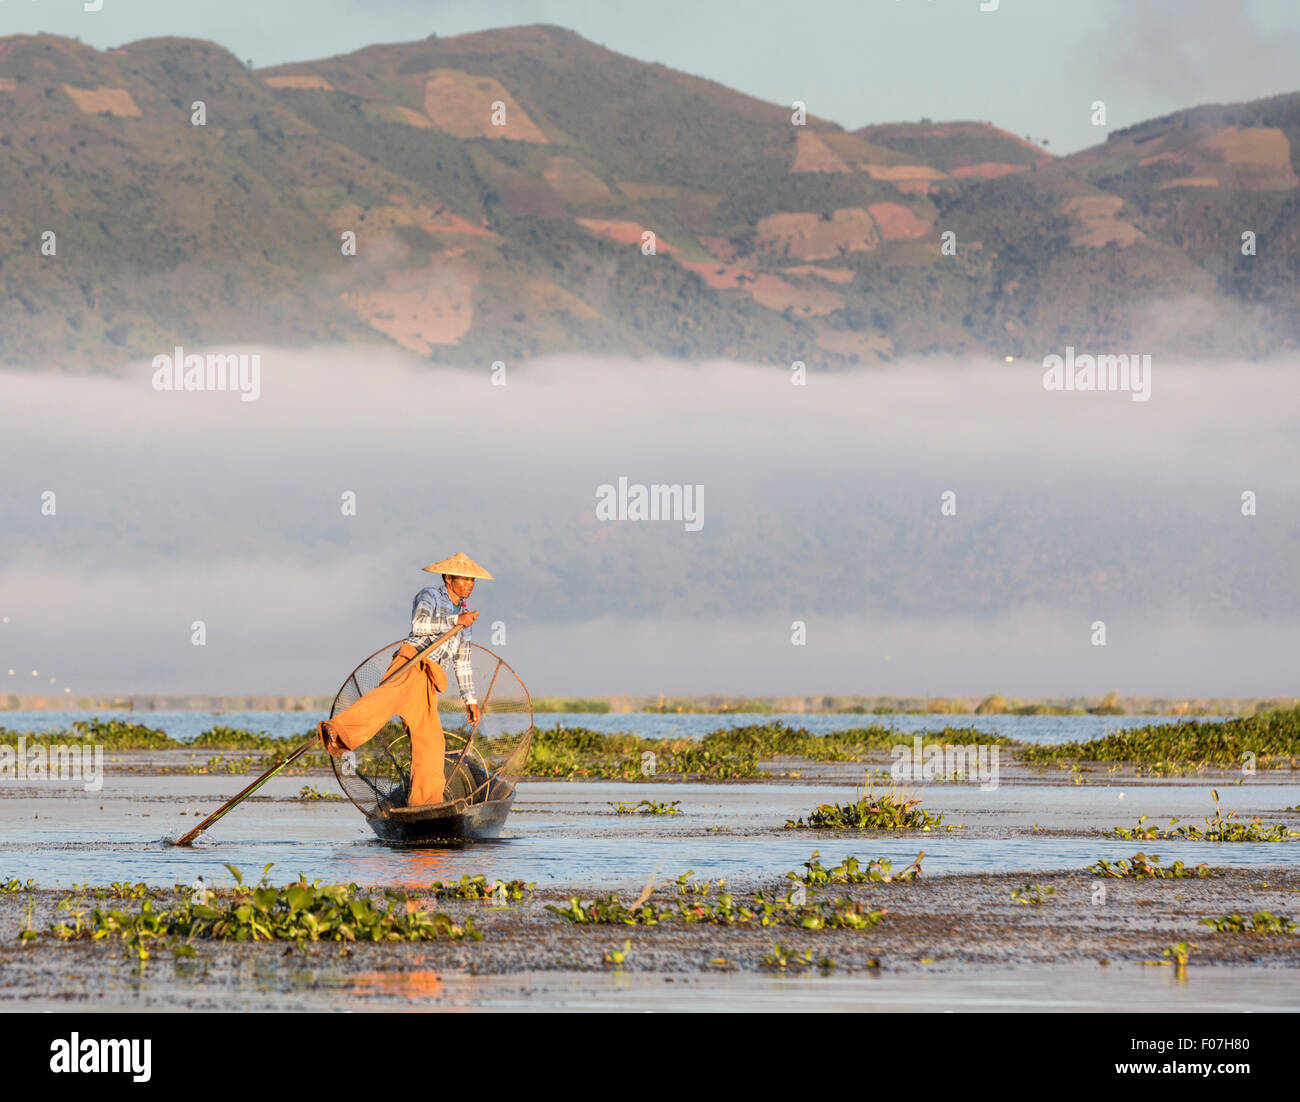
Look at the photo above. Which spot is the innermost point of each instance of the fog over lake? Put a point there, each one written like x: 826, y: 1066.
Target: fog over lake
x: 820, y: 503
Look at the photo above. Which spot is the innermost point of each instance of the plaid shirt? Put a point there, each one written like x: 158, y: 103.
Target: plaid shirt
x: 433, y: 613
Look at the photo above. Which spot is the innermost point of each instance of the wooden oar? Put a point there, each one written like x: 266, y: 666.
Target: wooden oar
x: 188, y: 839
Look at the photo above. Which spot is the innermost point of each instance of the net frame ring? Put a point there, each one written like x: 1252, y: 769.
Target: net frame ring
x: 499, y: 778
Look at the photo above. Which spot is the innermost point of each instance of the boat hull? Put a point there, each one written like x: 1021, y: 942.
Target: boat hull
x: 453, y: 823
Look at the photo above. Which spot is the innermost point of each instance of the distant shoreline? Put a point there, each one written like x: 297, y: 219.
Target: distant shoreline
x: 1108, y: 704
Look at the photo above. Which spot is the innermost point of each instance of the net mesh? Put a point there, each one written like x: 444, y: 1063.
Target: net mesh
x: 484, y: 763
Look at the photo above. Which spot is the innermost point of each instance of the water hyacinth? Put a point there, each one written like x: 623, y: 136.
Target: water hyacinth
x: 1218, y: 828
x: 477, y: 887
x: 1142, y: 867
x: 1272, y: 739
x: 300, y: 913
x: 871, y: 812
x: 692, y: 906
x: 647, y: 807
x: 850, y: 871
x: 1263, y: 922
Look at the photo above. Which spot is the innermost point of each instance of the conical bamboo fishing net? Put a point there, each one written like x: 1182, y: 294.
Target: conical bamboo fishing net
x: 482, y: 764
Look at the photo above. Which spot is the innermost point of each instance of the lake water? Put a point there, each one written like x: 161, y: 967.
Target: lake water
x: 184, y: 726
x: 567, y: 834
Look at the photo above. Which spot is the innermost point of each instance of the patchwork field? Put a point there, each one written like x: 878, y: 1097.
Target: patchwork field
x: 817, y: 236
x: 97, y: 101
x: 1100, y: 226
x: 814, y: 155
x: 461, y: 104
x: 420, y: 308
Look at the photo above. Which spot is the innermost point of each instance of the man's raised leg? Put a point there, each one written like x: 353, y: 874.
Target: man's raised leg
x: 364, y: 719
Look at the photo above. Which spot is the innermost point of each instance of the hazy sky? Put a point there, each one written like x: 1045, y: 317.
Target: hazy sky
x: 1032, y: 66
x: 821, y: 505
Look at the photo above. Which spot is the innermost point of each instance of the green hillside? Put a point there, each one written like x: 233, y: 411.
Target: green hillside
x: 499, y: 185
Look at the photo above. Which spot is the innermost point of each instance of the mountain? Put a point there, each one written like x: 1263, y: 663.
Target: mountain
x: 477, y: 241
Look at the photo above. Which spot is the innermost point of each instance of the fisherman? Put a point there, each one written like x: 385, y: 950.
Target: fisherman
x: 413, y: 695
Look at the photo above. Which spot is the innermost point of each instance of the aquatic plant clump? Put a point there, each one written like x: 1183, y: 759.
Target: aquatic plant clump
x: 113, y: 734
x: 727, y: 753
x: 724, y: 910
x: 782, y: 958
x: 1177, y: 956
x: 1218, y: 828
x: 850, y: 871
x: 575, y: 752
x: 1263, y: 922
x: 884, y: 812
x: 766, y: 741
x: 239, y: 738
x: 608, y: 910
x: 477, y: 887
x: 301, y: 912
x: 119, y: 734
x: 1142, y: 867
x: 1031, y: 894
x: 647, y: 807
x: 1271, y: 740
x: 689, y: 907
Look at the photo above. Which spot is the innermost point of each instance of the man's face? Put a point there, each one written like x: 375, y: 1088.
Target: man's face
x: 459, y: 587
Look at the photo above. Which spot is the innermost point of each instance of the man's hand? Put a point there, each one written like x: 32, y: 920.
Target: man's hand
x: 475, y: 712
x: 465, y: 619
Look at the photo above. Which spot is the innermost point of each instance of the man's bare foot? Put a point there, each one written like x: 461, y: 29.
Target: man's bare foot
x: 332, y: 743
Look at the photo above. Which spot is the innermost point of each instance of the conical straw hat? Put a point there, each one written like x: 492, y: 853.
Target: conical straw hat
x: 460, y: 565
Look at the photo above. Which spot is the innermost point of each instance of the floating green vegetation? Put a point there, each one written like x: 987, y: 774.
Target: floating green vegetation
x: 729, y: 752
x: 220, y: 764
x: 724, y: 910
x: 301, y: 912
x: 618, y: 956
x: 311, y: 792
x: 477, y: 887
x: 830, y: 914
x: 112, y: 734
x: 607, y: 910
x: 1270, y: 739
x: 871, y: 812
x: 8, y: 887
x: 240, y: 738
x: 1142, y: 867
x: 767, y: 741
x: 784, y: 959
x: 559, y: 704
x: 647, y: 807
x: 1176, y: 956
x: 1031, y: 894
x: 1218, y: 828
x: 576, y: 752
x: 118, y: 890
x: 1261, y: 922
x: 849, y: 871
x: 119, y: 734
x: 687, y: 886
x: 1141, y: 830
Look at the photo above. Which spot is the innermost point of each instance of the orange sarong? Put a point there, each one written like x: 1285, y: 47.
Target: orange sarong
x: 414, y: 697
